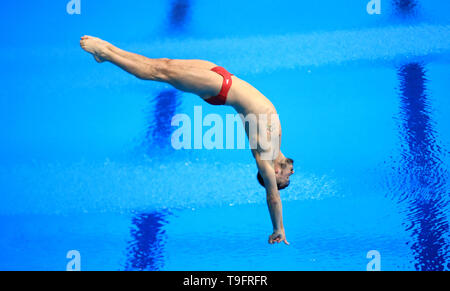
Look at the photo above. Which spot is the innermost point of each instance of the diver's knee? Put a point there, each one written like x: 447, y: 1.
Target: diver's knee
x: 159, y: 70
x: 169, y: 69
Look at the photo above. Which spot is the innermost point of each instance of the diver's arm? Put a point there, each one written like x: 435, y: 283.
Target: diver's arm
x: 273, y: 201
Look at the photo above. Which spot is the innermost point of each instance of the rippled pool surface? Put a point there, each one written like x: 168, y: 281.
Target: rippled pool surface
x: 87, y: 164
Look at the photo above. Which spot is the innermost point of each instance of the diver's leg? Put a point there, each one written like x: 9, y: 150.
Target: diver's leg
x: 200, y: 64
x: 179, y: 73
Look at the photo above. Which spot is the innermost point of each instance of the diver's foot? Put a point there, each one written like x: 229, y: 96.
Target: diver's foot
x: 95, y: 46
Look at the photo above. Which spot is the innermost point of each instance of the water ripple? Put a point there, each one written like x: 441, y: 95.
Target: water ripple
x: 419, y: 181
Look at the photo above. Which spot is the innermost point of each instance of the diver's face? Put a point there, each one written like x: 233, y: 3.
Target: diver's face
x: 284, y: 174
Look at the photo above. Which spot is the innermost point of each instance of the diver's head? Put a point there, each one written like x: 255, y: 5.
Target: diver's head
x: 284, y: 168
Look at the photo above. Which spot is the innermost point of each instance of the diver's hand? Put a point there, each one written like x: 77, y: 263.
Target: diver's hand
x: 277, y: 237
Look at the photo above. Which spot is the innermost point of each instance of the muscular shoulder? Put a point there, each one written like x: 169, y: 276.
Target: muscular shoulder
x: 261, y: 161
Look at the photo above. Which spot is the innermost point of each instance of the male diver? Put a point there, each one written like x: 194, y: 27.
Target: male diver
x: 216, y: 86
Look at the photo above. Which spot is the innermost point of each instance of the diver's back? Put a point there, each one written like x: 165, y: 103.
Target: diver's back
x: 246, y: 99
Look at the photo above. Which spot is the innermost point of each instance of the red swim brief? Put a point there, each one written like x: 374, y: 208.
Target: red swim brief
x: 221, y: 99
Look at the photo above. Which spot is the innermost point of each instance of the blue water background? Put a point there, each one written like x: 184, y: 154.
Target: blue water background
x: 86, y: 161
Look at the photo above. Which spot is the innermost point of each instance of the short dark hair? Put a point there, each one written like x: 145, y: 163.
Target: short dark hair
x: 280, y: 187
